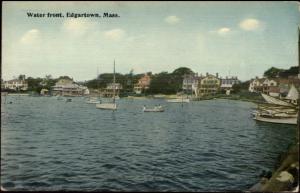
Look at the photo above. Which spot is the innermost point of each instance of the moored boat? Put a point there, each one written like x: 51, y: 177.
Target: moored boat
x: 112, y: 105
x: 155, y: 109
x: 107, y: 106
x: 178, y: 100
x: 276, y: 119
x: 93, y: 101
x: 275, y: 101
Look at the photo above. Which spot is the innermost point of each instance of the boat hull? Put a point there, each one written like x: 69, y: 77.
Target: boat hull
x: 291, y: 120
x: 153, y: 110
x: 107, y: 106
x: 178, y: 100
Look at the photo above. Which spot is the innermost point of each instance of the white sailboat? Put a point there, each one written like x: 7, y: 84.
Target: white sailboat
x: 113, y: 105
x: 95, y: 100
x: 276, y: 101
x: 282, y: 112
x: 179, y: 100
x: 293, y: 95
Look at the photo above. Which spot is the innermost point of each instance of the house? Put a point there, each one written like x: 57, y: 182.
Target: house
x: 15, y: 84
x: 67, y: 87
x: 143, y: 84
x: 111, y: 86
x: 190, y: 83
x: 44, y: 92
x: 208, y: 85
x: 109, y: 90
x: 256, y: 85
x: 228, y: 82
x: 267, y: 84
x: 274, y: 91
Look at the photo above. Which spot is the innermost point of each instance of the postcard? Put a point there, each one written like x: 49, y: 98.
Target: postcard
x: 150, y: 96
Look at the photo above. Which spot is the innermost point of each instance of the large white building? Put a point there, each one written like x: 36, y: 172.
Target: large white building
x: 66, y: 87
x: 228, y: 82
x: 190, y: 83
x: 15, y: 84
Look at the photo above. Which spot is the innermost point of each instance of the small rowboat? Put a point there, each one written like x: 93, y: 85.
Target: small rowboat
x: 155, y: 109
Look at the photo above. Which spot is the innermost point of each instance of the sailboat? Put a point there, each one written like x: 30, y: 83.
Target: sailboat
x: 179, y: 100
x: 113, y: 105
x: 94, y: 100
x: 293, y: 95
x: 275, y: 101
x: 283, y: 112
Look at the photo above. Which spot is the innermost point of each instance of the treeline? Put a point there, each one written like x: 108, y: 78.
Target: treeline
x: 164, y: 82
x: 281, y: 73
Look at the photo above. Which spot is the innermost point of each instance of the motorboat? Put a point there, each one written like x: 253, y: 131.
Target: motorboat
x: 155, y: 109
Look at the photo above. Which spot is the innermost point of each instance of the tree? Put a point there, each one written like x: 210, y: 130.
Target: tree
x: 272, y: 72
x: 162, y: 83
x: 34, y: 84
x: 182, y: 71
x: 177, y: 77
x: 21, y: 77
x: 293, y: 71
x: 65, y: 77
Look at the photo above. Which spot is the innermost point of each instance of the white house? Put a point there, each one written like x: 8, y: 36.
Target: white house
x: 228, y: 82
x: 66, y: 87
x: 256, y: 85
x: 15, y: 84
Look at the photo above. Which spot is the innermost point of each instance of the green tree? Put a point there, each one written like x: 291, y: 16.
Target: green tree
x: 162, y: 83
x: 293, y: 71
x: 177, y: 77
x: 34, y: 84
x: 21, y: 77
x: 272, y: 72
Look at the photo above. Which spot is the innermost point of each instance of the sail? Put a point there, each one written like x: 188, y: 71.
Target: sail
x: 276, y: 101
x: 293, y: 93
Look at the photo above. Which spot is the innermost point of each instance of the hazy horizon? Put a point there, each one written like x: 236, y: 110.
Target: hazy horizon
x: 230, y: 38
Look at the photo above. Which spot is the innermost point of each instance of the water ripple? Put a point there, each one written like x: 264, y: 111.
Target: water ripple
x: 203, y: 146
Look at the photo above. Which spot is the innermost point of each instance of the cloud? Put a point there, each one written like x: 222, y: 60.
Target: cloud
x: 114, y: 34
x: 77, y: 27
x: 250, y: 24
x: 172, y: 19
x: 31, y: 36
x: 223, y: 31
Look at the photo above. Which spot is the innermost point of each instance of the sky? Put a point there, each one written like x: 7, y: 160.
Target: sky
x: 230, y: 38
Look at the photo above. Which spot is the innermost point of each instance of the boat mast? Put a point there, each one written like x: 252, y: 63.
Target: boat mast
x: 114, y: 83
x: 98, y: 80
x: 298, y: 119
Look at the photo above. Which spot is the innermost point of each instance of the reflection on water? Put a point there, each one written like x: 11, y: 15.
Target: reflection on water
x: 47, y: 144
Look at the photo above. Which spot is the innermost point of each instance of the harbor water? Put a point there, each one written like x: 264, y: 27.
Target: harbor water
x: 50, y: 144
